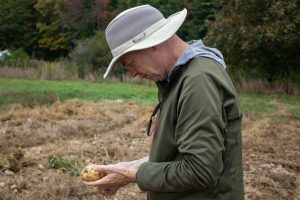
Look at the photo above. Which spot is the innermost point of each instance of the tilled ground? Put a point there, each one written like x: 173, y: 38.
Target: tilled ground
x: 75, y: 132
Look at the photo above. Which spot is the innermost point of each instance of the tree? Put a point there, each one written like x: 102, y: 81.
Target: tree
x: 76, y: 17
x: 199, y: 11
x: 81, y: 18
x: 259, y: 37
x: 53, y: 40
x: 17, y: 25
x: 63, y: 22
x: 101, y: 13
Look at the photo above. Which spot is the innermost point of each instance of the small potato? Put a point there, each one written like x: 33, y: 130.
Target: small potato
x: 90, y: 174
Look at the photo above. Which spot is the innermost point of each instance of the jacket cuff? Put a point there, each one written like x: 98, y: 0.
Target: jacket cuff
x: 140, y: 177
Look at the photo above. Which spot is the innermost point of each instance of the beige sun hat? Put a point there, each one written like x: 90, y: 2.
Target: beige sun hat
x: 138, y: 28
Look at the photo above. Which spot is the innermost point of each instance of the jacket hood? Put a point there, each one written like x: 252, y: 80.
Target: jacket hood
x: 198, y: 49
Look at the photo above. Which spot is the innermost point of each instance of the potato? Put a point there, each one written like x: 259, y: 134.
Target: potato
x: 90, y: 174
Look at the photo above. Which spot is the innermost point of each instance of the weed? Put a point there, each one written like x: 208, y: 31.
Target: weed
x: 64, y: 164
x: 9, y: 164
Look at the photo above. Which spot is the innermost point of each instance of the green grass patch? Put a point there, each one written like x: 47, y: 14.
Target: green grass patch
x: 33, y: 92
x: 292, y: 103
x: 41, y: 92
x: 257, y: 104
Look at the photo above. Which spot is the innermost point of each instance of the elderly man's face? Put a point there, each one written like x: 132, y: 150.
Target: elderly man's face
x: 144, y: 63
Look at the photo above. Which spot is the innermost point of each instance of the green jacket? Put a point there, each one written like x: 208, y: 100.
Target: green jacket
x: 196, y: 151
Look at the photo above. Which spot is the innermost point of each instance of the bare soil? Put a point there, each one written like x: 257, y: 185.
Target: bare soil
x: 113, y: 131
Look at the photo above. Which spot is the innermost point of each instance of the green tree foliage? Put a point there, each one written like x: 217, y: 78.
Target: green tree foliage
x: 81, y: 18
x: 77, y: 19
x: 18, y: 25
x: 199, y: 11
x: 259, y: 37
x: 62, y: 22
x: 49, y: 29
x: 52, y: 39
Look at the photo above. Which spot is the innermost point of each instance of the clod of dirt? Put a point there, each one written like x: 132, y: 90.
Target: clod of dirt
x: 13, y: 187
x: 9, y: 173
x: 2, y: 185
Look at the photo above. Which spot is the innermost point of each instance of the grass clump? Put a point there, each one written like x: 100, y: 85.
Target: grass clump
x: 64, y: 164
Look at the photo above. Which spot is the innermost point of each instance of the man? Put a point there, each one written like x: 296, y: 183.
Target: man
x: 196, y: 150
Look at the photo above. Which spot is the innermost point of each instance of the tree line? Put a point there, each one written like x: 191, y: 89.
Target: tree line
x: 259, y: 38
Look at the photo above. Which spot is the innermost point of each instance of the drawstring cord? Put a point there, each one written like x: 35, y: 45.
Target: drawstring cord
x: 156, y: 109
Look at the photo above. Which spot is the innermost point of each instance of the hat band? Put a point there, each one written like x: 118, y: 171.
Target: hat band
x: 140, y: 37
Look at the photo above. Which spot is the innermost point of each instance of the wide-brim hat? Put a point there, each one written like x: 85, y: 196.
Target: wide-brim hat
x: 139, y: 28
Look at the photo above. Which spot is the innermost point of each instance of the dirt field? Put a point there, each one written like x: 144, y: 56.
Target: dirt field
x: 113, y: 131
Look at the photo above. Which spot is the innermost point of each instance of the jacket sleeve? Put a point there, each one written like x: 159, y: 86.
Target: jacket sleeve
x: 199, y: 139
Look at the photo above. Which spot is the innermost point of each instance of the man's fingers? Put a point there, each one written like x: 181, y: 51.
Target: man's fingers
x: 93, y: 183
x: 108, y: 180
x: 116, y: 176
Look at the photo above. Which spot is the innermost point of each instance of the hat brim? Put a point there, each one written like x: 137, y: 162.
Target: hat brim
x: 159, y: 36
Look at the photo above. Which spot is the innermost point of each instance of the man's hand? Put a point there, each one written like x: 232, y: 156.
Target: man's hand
x: 118, y: 175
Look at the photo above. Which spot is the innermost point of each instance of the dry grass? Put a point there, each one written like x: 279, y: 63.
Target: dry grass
x: 14, y: 72
x: 262, y: 86
x: 271, y: 157
x: 114, y: 131
x: 42, y: 70
x: 102, y: 132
